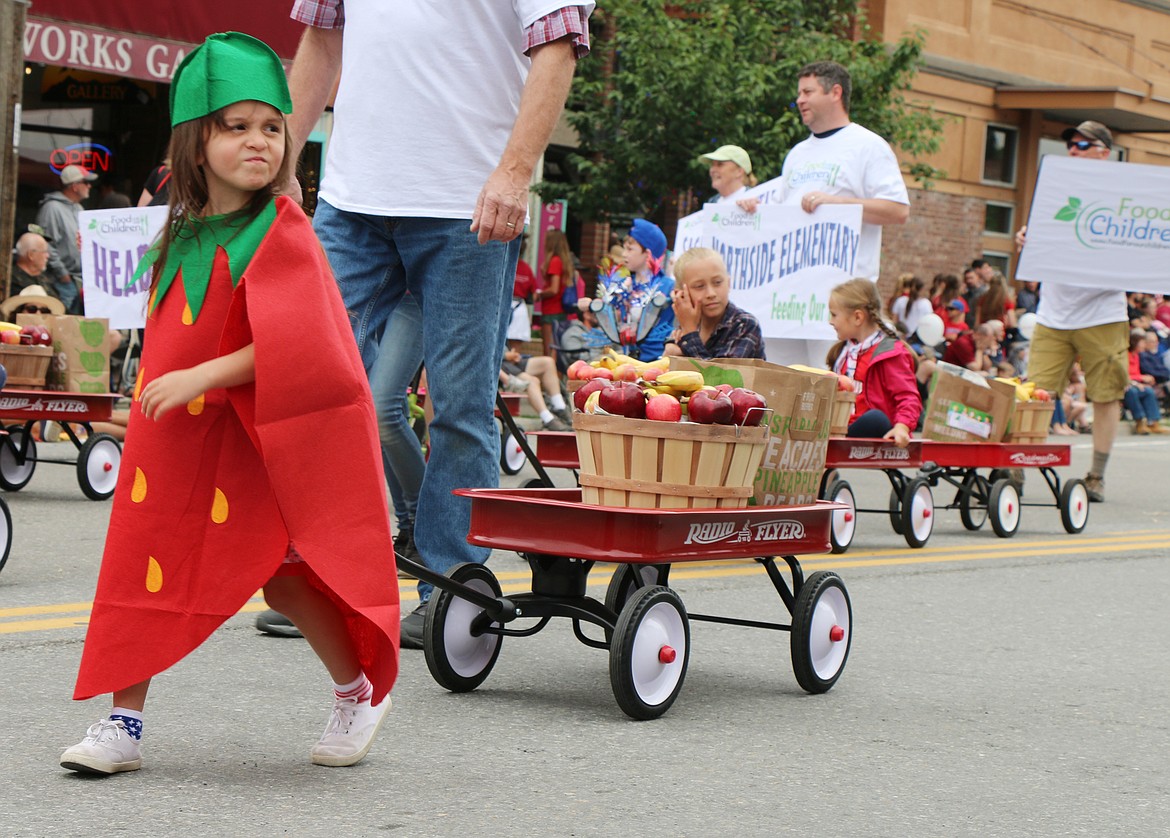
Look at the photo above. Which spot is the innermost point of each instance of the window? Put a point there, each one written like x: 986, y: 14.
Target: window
x: 998, y: 218
x: 999, y: 154
x: 1000, y: 261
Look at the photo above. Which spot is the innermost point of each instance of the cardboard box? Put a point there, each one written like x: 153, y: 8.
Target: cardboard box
x: 81, y: 352
x: 960, y: 409
x: 801, y: 403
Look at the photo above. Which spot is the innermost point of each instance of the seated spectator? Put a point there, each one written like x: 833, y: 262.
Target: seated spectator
x: 633, y: 307
x: 1140, y: 399
x: 533, y: 376
x: 996, y: 302
x: 31, y: 264
x: 974, y: 350
x: 710, y: 325
x: 945, y: 288
x: 581, y: 340
x: 910, y: 308
x: 33, y: 299
x: 954, y: 320
x: 1153, y: 364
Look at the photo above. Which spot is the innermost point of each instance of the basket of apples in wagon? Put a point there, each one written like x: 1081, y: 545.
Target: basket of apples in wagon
x: 636, y: 449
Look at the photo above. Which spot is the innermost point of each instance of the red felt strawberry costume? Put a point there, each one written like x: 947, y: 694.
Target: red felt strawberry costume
x: 210, y: 498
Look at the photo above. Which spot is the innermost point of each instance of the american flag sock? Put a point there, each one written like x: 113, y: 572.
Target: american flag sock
x: 130, y: 719
x: 359, y: 689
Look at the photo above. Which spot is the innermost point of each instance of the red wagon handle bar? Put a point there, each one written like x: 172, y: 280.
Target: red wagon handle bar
x: 500, y: 609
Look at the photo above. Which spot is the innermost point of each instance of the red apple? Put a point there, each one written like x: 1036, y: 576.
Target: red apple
x: 748, y: 405
x: 710, y: 407
x: 575, y: 368
x: 590, y: 386
x: 43, y: 338
x: 724, y: 388
x: 625, y: 372
x: 623, y: 399
x: 663, y: 408
x: 1041, y: 395
x: 10, y: 336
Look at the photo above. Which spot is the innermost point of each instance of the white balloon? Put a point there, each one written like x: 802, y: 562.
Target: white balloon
x: 1026, y: 325
x: 930, y: 329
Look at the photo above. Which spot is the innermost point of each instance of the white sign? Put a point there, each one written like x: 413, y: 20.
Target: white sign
x: 112, y: 243
x: 1099, y: 224
x: 783, y: 261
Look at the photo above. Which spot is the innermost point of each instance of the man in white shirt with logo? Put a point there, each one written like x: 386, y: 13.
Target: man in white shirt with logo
x: 1083, y: 323
x: 839, y: 163
x: 442, y: 112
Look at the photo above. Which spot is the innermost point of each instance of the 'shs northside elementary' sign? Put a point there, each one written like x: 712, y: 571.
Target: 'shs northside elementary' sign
x: 1099, y: 224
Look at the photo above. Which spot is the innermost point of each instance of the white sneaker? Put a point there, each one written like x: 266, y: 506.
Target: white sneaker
x: 350, y: 732
x: 106, y: 749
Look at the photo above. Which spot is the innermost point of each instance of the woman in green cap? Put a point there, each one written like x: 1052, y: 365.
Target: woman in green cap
x: 237, y: 381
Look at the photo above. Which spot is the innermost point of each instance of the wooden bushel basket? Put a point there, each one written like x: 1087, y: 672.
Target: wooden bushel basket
x: 666, y: 465
x: 842, y: 409
x: 1030, y: 421
x: 26, y: 366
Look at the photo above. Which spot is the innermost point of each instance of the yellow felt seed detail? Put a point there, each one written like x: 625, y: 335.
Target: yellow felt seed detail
x: 219, y: 507
x: 195, y: 406
x: 154, y: 577
x: 138, y: 383
x: 138, y: 493
x: 187, y: 318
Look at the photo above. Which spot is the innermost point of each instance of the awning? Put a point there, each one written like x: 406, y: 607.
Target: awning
x: 147, y: 40
x: 1124, y: 111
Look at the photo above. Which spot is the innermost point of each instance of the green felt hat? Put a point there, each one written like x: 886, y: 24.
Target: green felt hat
x: 228, y: 67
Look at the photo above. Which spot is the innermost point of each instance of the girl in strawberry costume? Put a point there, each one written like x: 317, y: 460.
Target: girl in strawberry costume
x: 214, y: 499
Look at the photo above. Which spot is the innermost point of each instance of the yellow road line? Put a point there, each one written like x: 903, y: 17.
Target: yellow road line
x: 519, y: 581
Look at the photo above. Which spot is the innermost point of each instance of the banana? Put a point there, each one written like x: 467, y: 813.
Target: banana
x: 682, y: 380
x: 8, y: 327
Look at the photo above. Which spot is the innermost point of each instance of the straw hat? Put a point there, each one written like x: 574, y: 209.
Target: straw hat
x: 34, y: 295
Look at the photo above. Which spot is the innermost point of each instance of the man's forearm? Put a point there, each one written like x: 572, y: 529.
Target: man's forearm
x: 314, y: 73
x: 541, y: 104
x: 881, y: 211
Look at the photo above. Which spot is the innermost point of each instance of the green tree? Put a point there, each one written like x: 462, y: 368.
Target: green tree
x: 666, y: 82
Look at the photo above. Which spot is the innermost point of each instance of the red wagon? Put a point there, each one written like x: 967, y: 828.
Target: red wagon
x: 911, y: 506
x: 644, y: 625
x: 99, y: 455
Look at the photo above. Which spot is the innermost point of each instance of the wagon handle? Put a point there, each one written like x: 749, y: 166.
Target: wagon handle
x: 500, y: 609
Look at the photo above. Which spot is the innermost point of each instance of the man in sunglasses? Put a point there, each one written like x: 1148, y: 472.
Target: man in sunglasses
x: 1085, y: 323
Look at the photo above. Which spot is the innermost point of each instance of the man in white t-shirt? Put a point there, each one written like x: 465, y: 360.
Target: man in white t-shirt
x: 441, y: 114
x: 839, y: 163
x: 1087, y: 325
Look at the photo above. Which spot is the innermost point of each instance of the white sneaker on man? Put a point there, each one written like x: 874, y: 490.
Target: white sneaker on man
x: 106, y: 749
x: 350, y: 731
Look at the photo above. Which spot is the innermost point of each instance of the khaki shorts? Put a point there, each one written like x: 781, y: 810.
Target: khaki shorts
x: 1102, y: 351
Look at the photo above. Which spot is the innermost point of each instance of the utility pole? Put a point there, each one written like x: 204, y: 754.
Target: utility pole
x: 12, y: 13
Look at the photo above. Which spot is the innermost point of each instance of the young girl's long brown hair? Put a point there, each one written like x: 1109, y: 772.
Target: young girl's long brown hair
x: 188, y: 196
x: 556, y: 244
x: 853, y: 295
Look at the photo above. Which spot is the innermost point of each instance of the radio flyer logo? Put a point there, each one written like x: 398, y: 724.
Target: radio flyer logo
x: 713, y: 532
x: 1128, y: 224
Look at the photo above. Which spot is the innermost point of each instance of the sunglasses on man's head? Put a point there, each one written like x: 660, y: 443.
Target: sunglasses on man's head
x: 1080, y: 145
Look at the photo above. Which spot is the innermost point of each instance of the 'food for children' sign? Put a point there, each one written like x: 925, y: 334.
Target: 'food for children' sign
x: 1099, y: 224
x: 783, y: 261
x: 112, y: 243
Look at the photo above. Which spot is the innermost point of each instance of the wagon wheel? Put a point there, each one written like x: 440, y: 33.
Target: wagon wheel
x: 460, y: 661
x: 14, y: 473
x: 649, y: 654
x: 1074, y: 505
x: 511, y: 454
x: 1003, y: 507
x: 98, y: 465
x: 621, y: 585
x: 534, y: 483
x: 822, y: 631
x: 896, y: 511
x: 973, y: 501
x: 917, y: 512
x: 843, y: 524
x: 5, y: 532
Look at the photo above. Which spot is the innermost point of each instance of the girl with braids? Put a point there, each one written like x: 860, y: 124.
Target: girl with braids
x: 880, y: 366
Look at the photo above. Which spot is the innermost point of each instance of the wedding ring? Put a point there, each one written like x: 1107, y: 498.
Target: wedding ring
x: 509, y: 224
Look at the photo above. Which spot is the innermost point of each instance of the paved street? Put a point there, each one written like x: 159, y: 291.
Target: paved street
x: 995, y: 687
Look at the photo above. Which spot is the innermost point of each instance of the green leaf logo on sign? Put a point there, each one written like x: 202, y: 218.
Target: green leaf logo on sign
x: 1069, y: 211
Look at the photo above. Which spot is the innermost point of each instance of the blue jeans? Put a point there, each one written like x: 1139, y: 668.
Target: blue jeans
x: 399, y: 356
x: 465, y: 290
x: 1142, y: 403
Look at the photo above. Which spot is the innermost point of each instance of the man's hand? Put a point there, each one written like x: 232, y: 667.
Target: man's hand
x: 748, y: 205
x: 1021, y: 238
x: 809, y: 201
x: 501, y: 207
